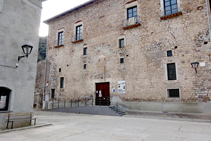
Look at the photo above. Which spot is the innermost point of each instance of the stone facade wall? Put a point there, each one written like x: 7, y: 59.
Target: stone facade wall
x: 144, y: 69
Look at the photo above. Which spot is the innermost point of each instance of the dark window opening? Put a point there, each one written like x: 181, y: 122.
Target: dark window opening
x: 121, y: 43
x: 4, y: 99
x: 60, y: 38
x: 85, y: 51
x: 79, y: 32
x: 60, y: 69
x: 169, y: 53
x: 170, y: 7
x: 175, y: 47
x: 85, y: 66
x: 210, y: 4
x: 121, y: 60
x: 171, y: 68
x: 62, y: 82
x: 52, y: 93
x: 173, y: 92
x: 205, y: 43
x: 132, y: 12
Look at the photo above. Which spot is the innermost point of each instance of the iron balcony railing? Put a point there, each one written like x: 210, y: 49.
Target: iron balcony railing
x: 131, y: 22
x: 77, y: 38
x: 57, y: 43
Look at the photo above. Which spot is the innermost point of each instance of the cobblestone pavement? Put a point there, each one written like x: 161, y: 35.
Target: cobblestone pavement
x: 79, y: 127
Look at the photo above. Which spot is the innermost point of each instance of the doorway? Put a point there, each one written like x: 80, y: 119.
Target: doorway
x: 4, y: 98
x: 102, y: 94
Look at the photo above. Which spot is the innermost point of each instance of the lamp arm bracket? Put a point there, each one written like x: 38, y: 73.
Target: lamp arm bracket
x: 19, y: 57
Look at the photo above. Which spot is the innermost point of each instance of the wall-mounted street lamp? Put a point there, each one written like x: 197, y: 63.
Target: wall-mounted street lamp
x: 27, y: 49
x: 195, y: 65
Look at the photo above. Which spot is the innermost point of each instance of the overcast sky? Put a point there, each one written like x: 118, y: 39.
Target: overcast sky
x: 55, y: 7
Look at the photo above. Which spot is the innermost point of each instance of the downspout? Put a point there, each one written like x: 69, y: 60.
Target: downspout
x: 44, y: 83
x: 208, y: 18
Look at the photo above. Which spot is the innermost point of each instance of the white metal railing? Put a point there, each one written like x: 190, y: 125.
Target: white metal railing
x: 131, y: 21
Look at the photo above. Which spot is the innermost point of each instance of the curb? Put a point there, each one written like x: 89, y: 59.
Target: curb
x: 24, y: 128
x: 174, y: 116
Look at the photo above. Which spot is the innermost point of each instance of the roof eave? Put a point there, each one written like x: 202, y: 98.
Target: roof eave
x: 69, y: 11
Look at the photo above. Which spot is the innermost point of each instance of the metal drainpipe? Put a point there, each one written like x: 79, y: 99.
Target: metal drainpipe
x: 208, y: 18
x: 45, y: 70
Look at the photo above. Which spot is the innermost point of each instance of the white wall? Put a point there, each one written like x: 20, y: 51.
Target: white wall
x: 19, y: 25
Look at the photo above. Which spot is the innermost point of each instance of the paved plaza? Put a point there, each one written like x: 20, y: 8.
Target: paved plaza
x: 79, y: 127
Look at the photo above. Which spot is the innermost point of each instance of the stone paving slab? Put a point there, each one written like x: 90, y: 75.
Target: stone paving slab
x: 78, y: 127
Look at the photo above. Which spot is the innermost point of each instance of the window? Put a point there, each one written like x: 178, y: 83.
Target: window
x: 62, y: 82
x: 169, y: 53
x: 52, y: 93
x: 79, y: 32
x: 85, y: 51
x: 60, y: 38
x: 121, y: 60
x: 171, y: 68
x: 121, y: 43
x: 4, y: 98
x: 170, y: 7
x: 210, y: 4
x: 60, y: 69
x: 132, y: 12
x: 173, y: 93
x: 85, y: 66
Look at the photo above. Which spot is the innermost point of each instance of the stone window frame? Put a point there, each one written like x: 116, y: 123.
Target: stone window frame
x: 167, y: 93
x: 57, y: 39
x: 130, y: 5
x: 166, y: 72
x: 74, y: 36
x: 118, y: 43
x: 162, y: 10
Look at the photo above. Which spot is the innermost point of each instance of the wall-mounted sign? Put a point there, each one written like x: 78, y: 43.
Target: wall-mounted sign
x: 114, y: 90
x: 100, y: 94
x: 121, y: 87
x: 202, y: 64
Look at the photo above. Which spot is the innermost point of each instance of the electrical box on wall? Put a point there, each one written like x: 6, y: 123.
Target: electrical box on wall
x: 202, y: 64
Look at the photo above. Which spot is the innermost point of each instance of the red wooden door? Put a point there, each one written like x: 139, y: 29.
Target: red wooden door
x: 102, y: 94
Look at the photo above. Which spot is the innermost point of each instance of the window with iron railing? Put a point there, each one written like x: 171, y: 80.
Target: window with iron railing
x: 132, y: 20
x: 173, y: 93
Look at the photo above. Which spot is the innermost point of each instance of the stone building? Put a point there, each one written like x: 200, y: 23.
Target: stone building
x: 135, y: 52
x: 19, y: 25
